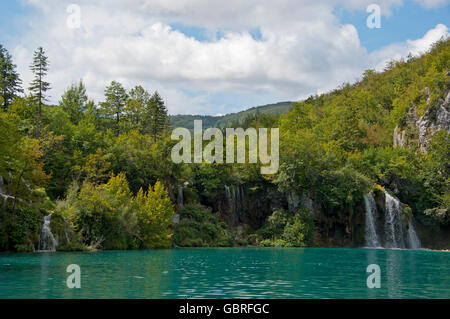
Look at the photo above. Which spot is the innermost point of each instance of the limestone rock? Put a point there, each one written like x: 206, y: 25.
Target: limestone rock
x: 420, y: 130
x: 436, y: 118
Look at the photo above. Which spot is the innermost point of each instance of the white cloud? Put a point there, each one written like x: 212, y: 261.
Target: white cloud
x: 303, y: 47
x: 433, y: 3
x: 416, y: 47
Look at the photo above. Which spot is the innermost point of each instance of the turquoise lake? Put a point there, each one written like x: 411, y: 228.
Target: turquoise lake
x: 228, y: 273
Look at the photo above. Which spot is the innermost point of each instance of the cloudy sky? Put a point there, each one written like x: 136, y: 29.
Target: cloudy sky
x: 216, y: 57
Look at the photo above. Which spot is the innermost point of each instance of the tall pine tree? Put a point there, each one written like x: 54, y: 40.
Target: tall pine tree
x: 10, y: 83
x: 38, y: 87
x: 114, y: 105
x: 158, y: 116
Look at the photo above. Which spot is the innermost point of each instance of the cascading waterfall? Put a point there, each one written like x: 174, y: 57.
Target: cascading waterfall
x: 394, y: 230
x: 3, y: 192
x: 180, y: 204
x: 180, y: 199
x: 229, y: 199
x: 47, y: 241
x: 242, y: 199
x: 393, y: 223
x: 371, y: 232
x: 413, y: 239
x: 2, y: 187
x: 235, y: 199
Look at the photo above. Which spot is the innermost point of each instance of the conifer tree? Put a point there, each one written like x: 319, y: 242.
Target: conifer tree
x: 10, y: 83
x: 114, y: 105
x: 159, y: 117
x: 38, y: 87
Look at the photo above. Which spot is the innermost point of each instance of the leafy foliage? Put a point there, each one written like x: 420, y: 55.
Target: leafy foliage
x: 286, y: 230
x: 108, y: 166
x: 199, y: 228
x: 10, y: 82
x: 155, y: 214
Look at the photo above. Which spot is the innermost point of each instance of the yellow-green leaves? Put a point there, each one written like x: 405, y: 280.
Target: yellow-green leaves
x: 155, y: 213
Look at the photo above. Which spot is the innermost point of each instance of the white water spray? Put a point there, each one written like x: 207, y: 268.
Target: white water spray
x: 413, y: 239
x: 180, y: 198
x: 394, y: 230
x: 47, y: 241
x: 3, y: 192
x: 371, y: 211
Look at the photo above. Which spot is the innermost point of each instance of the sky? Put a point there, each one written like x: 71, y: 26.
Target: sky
x: 217, y: 57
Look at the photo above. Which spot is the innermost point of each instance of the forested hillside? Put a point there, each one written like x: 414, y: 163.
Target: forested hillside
x: 238, y: 118
x: 103, y: 168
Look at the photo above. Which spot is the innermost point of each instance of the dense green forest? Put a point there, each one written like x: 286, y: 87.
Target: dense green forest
x: 104, y: 171
x: 187, y: 121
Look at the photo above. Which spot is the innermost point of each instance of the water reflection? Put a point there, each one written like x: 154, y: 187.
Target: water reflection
x: 227, y: 273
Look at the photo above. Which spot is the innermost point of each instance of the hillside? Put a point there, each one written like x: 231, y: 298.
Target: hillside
x: 111, y: 183
x: 388, y: 132
x: 187, y: 121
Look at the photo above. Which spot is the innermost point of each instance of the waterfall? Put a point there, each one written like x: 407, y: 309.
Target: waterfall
x: 3, y: 192
x: 229, y: 199
x: 395, y: 235
x: 413, y: 240
x: 393, y: 223
x: 180, y: 200
x: 371, y: 211
x: 242, y: 199
x: 47, y: 241
x: 227, y: 193
x: 2, y: 188
x: 180, y: 204
x: 235, y: 199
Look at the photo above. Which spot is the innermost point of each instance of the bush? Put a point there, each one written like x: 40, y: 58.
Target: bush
x: 198, y: 227
x: 284, y: 230
x: 20, y: 229
x: 67, y: 238
x: 108, y: 216
x: 154, y: 217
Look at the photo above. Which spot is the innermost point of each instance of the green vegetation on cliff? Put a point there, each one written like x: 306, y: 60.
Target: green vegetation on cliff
x: 106, y: 174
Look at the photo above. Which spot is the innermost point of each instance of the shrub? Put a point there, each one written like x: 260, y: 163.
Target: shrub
x: 284, y: 230
x: 198, y: 227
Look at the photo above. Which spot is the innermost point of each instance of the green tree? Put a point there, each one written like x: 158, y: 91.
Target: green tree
x: 24, y: 108
x: 10, y: 83
x: 20, y: 160
x: 138, y: 99
x: 38, y: 87
x: 141, y: 159
x: 155, y: 215
x: 96, y: 167
x: 105, y: 215
x: 74, y: 102
x: 159, y: 120
x: 114, y: 105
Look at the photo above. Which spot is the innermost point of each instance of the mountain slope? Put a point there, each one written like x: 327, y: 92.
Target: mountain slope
x: 187, y: 121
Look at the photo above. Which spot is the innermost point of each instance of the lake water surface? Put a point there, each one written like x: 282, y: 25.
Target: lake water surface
x: 228, y: 273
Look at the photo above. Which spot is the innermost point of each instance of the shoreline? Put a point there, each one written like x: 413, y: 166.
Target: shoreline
x: 239, y: 247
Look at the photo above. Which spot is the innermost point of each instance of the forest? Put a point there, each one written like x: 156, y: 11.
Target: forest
x: 103, y: 170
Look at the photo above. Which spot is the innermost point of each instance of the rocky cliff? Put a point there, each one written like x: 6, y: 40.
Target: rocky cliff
x: 419, y: 130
